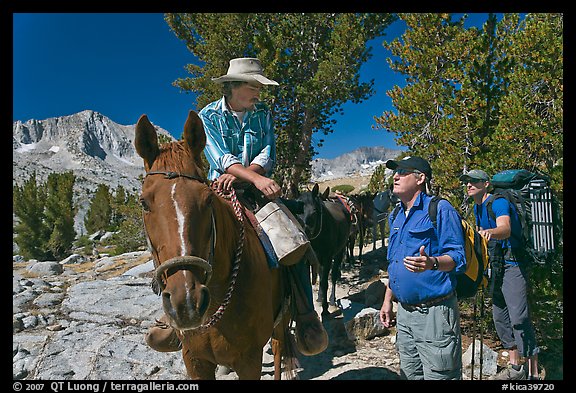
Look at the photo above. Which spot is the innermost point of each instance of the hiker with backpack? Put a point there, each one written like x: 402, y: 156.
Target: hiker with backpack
x: 497, y: 220
x: 423, y: 262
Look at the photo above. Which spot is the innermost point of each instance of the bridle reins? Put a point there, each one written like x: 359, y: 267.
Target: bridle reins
x: 162, y: 268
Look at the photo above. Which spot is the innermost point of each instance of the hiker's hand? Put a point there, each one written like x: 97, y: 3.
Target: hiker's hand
x: 386, y: 314
x: 485, y: 233
x: 419, y: 263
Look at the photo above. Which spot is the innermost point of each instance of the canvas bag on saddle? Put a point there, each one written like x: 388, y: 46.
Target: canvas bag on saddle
x: 286, y: 235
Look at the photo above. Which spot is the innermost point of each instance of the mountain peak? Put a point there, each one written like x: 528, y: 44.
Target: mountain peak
x: 360, y: 162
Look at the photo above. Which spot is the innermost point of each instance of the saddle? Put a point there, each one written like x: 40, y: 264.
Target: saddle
x: 350, y: 207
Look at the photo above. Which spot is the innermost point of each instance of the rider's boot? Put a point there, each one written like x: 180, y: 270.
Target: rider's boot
x: 311, y: 337
x: 162, y: 337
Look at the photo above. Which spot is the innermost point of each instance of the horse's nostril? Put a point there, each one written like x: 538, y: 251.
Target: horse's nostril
x: 204, y: 300
x: 166, y: 300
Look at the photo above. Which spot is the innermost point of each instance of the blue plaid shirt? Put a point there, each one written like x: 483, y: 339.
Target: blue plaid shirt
x: 228, y: 142
x: 407, y: 234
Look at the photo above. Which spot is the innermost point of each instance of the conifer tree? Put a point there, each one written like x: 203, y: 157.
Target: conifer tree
x: 31, y: 232
x: 130, y: 235
x: 315, y: 57
x: 59, y: 213
x: 478, y: 98
x: 99, y: 214
x: 118, y: 201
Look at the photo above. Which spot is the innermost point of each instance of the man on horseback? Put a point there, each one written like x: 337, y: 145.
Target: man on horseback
x: 241, y: 150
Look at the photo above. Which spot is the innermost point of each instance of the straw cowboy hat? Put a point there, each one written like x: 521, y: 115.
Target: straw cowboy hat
x: 245, y: 69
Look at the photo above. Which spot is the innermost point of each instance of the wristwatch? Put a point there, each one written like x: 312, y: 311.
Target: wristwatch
x: 435, y: 265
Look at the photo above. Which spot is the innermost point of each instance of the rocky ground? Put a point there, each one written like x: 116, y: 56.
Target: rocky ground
x: 86, y: 319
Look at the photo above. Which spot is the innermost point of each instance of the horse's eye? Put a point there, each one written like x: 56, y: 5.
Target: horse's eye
x: 144, y: 204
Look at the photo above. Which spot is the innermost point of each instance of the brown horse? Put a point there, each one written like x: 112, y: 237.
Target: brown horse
x: 364, y: 207
x: 217, y: 290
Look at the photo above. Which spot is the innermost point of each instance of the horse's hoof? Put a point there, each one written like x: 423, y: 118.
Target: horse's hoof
x: 311, y: 337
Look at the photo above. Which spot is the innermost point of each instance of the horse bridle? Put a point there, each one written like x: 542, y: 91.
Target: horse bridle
x: 162, y: 268
x: 183, y: 261
x: 321, y: 211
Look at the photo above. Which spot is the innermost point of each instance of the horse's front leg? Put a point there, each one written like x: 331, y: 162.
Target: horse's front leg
x: 323, y: 286
x: 336, y: 275
x: 360, y: 243
x: 196, y: 368
x: 250, y: 366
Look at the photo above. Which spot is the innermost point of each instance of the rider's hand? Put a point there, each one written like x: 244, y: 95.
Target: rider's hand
x: 268, y: 187
x: 225, y: 181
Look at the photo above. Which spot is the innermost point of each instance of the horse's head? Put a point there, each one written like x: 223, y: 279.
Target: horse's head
x: 366, y: 207
x: 311, y: 214
x: 178, y: 219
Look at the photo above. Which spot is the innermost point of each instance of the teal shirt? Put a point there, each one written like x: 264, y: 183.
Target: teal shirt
x: 230, y: 142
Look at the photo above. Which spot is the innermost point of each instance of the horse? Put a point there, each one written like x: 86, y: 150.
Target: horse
x: 218, y: 292
x: 364, y: 212
x: 327, y: 224
x: 381, y: 207
x: 359, y: 207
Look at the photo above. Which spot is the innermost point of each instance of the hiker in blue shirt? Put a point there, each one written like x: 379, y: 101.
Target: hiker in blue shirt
x: 423, y: 264
x: 510, y: 308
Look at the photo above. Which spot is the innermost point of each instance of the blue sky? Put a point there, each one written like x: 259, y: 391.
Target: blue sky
x: 123, y: 65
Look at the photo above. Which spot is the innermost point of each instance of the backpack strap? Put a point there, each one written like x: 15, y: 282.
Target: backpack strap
x: 395, y: 212
x: 433, y: 209
x: 489, y: 209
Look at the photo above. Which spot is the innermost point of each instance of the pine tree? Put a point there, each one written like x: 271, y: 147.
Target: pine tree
x: 99, y: 214
x: 31, y: 232
x: 130, y: 235
x: 486, y: 98
x: 118, y: 201
x: 316, y: 58
x: 59, y: 213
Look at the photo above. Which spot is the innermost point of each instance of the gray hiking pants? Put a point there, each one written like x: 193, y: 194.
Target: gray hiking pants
x: 429, y: 343
x: 511, y: 313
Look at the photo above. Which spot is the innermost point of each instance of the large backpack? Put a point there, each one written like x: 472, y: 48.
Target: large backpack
x: 476, y: 252
x: 537, y: 210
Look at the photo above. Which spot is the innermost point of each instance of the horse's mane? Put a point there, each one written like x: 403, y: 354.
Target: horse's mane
x: 177, y: 157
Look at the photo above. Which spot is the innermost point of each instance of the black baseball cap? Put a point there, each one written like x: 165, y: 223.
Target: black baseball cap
x: 409, y: 162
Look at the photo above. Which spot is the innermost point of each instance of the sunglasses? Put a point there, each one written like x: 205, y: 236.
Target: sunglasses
x: 473, y: 181
x: 403, y: 172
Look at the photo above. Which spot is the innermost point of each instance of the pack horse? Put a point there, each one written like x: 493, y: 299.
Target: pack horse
x: 217, y: 290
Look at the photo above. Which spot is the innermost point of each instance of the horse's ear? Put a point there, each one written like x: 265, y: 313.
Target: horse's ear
x: 146, y: 141
x: 315, y: 190
x: 194, y: 134
x: 326, y: 193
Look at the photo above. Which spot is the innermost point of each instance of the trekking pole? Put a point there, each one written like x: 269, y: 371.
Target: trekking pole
x: 481, y: 331
x: 473, y: 337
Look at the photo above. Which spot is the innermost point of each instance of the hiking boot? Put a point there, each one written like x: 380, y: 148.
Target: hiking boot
x: 510, y: 373
x: 311, y: 337
x: 162, y: 337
